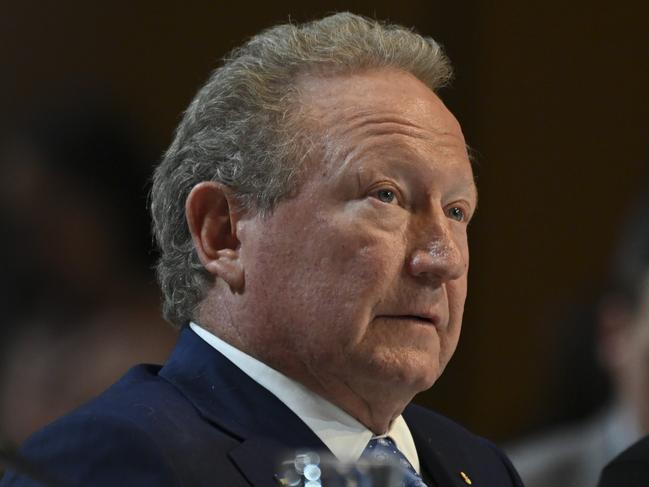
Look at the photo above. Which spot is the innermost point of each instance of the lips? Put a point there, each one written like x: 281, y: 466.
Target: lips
x: 424, y: 319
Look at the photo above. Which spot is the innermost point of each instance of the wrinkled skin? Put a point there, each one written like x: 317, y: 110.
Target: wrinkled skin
x: 356, y: 286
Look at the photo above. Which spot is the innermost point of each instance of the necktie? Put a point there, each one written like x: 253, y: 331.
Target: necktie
x: 384, y: 450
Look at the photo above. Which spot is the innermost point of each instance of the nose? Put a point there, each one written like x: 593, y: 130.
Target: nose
x: 440, y: 258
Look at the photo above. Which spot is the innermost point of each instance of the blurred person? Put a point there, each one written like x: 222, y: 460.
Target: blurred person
x: 630, y: 468
x: 78, y: 302
x: 312, y: 215
x: 574, y: 454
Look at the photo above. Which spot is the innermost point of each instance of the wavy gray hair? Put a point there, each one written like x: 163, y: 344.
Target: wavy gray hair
x: 243, y: 129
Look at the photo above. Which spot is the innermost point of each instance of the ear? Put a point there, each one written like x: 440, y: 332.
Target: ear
x: 212, y: 214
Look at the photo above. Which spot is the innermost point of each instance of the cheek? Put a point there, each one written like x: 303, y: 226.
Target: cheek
x: 350, y: 273
x: 639, y: 361
x: 355, y: 252
x: 341, y: 280
x: 456, y: 291
x: 316, y: 283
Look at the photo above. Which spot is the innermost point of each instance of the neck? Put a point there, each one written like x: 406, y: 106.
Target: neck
x: 373, y: 403
x: 376, y: 415
x: 376, y: 405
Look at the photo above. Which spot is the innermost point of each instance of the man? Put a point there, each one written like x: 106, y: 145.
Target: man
x: 574, y: 454
x: 57, y: 317
x: 312, y: 218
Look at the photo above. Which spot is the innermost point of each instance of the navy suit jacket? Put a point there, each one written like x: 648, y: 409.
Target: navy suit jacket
x: 200, y: 421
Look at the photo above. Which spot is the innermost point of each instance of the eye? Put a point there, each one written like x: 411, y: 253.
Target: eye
x: 456, y: 213
x: 385, y: 195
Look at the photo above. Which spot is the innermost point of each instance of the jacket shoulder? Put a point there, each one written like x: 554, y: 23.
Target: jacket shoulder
x: 457, y: 449
x: 139, y: 432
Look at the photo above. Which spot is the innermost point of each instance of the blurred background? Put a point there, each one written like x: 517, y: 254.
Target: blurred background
x: 551, y: 95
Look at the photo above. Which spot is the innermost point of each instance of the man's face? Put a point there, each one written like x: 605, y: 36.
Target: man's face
x: 360, y: 279
x: 633, y: 360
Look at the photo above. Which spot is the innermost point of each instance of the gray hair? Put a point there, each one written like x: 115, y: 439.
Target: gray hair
x: 243, y: 129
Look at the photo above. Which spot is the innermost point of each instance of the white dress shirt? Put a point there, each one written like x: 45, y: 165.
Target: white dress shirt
x: 341, y: 433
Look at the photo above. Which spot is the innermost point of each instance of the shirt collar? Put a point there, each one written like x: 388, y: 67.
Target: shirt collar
x: 345, y: 437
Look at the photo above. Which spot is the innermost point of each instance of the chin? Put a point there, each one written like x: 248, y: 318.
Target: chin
x: 413, y: 375
x: 426, y: 381
x: 428, y: 370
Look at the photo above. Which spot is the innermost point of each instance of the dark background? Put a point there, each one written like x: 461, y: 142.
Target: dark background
x: 552, y: 95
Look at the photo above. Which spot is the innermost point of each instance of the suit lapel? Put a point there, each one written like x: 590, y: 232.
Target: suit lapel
x: 227, y: 398
x: 259, y: 460
x: 268, y: 431
x: 435, y: 465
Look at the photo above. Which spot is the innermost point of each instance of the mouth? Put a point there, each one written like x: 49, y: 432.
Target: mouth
x: 424, y: 320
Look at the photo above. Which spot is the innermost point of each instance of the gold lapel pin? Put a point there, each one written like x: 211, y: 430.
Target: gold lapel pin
x: 466, y: 478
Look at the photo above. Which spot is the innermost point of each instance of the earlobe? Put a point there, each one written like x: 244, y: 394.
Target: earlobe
x: 228, y: 267
x: 212, y: 215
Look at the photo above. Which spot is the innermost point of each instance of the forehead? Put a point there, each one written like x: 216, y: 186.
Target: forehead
x: 379, y: 93
x: 384, y: 112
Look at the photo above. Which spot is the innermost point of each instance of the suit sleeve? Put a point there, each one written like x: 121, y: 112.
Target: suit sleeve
x: 101, y: 451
